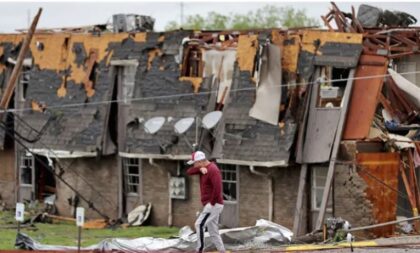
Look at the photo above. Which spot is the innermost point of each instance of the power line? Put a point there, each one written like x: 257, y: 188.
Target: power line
x: 125, y: 100
x: 59, y: 176
x: 61, y: 167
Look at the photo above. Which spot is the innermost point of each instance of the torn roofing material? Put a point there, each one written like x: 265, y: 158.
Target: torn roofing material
x: 163, y: 79
x: 247, y: 139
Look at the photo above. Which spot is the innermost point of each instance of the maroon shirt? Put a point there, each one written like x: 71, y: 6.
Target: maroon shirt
x: 210, y: 184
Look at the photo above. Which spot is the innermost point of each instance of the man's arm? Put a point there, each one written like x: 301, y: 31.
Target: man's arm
x: 193, y: 171
x: 216, y: 181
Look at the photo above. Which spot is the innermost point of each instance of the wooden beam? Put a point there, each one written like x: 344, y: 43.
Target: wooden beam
x: 7, y: 95
x: 297, y: 223
x: 337, y: 140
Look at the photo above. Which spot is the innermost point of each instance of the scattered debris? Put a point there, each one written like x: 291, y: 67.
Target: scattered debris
x: 263, y: 235
x: 139, y: 215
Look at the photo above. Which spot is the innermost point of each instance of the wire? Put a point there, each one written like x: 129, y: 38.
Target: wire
x: 90, y: 203
x: 125, y: 100
x: 388, y: 186
x: 59, y: 164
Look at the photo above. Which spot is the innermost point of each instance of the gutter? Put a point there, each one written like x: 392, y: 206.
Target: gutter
x: 152, y: 162
x: 270, y: 190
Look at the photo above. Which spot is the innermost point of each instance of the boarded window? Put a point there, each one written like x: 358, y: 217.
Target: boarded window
x: 230, y: 182
x: 131, y: 175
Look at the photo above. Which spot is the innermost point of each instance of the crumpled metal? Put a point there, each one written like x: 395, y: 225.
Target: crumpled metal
x: 264, y: 234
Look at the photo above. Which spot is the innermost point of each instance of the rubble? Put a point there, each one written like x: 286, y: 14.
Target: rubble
x: 334, y: 110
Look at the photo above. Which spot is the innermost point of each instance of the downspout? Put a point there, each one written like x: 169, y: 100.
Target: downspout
x: 152, y: 162
x: 270, y: 190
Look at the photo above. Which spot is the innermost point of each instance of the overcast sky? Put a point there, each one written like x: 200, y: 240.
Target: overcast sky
x: 14, y: 15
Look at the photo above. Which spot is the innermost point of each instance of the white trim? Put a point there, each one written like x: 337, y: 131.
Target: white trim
x: 131, y: 62
x: 281, y: 163
x: 62, y: 153
x: 154, y: 156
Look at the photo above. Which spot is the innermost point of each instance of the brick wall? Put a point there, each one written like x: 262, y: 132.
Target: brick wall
x: 286, y: 182
x: 7, y: 177
x: 155, y: 190
x: 350, y: 201
x: 253, y: 195
x: 253, y: 198
x: 101, y: 174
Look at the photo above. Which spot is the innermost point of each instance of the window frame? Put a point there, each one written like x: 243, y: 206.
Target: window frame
x: 22, y: 166
x: 315, y: 187
x: 229, y: 169
x: 128, y: 163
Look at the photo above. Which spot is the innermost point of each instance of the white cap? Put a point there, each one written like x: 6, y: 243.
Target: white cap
x: 196, y: 156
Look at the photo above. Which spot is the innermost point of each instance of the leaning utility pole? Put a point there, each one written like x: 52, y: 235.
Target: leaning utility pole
x: 11, y: 84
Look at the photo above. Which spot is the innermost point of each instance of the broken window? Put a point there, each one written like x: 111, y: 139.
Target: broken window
x: 319, y: 177
x: 332, y: 86
x: 192, y: 64
x: 26, y: 169
x: 131, y: 168
x: 230, y: 181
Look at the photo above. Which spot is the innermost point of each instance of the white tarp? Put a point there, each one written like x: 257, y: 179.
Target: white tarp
x: 401, y: 142
x: 267, y: 103
x: 264, y: 234
x: 409, y: 88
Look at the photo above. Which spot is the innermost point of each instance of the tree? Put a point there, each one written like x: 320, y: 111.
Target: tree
x: 269, y: 16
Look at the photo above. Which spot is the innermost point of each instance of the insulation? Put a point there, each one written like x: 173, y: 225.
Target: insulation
x: 246, y: 50
x: 220, y: 64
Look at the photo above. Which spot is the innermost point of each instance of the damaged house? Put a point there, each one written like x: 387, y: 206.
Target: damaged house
x: 305, y: 124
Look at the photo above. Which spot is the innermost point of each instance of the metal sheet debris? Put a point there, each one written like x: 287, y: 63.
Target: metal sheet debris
x: 412, y: 90
x: 264, y: 234
x: 365, y: 96
x: 378, y: 170
x: 267, y: 102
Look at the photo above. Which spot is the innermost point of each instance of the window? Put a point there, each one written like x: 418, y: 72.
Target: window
x: 331, y: 90
x: 131, y: 168
x: 26, y: 169
x: 319, y: 177
x: 24, y: 82
x: 230, y: 182
x: 192, y: 65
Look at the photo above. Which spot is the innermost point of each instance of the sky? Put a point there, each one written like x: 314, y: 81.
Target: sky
x: 14, y: 15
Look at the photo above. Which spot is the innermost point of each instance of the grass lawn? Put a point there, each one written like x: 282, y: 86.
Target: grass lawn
x: 66, y: 234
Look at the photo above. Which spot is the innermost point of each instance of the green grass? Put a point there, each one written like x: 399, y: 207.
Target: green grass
x: 66, y: 234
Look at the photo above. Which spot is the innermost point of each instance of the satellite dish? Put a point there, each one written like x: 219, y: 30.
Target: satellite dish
x: 154, y: 124
x: 211, y: 119
x: 182, y: 125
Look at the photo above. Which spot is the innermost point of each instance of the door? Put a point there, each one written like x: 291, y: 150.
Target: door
x: 230, y: 179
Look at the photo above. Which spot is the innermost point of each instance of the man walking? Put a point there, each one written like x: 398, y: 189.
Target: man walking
x: 211, y: 198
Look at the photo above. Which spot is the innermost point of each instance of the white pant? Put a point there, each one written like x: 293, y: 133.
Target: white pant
x: 209, y: 218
